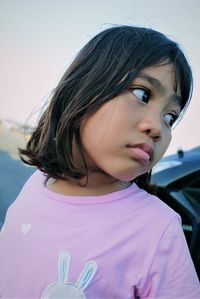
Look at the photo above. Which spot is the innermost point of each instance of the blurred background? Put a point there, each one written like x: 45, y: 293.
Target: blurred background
x: 40, y: 38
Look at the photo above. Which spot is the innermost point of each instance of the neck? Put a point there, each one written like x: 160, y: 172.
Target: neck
x: 97, y: 184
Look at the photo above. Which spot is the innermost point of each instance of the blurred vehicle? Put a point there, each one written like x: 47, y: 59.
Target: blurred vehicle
x: 177, y: 178
x: 13, y: 175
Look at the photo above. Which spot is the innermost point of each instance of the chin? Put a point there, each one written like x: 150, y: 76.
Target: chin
x: 126, y: 177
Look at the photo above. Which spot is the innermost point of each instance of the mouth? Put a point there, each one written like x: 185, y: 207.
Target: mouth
x: 142, y: 151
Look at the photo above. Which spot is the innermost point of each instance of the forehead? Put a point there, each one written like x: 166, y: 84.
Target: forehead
x: 162, y: 73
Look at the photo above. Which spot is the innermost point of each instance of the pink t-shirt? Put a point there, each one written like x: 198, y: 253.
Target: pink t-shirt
x: 126, y: 244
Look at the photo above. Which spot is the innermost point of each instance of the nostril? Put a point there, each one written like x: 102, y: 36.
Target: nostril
x: 154, y: 134
x: 148, y: 131
x: 156, y: 138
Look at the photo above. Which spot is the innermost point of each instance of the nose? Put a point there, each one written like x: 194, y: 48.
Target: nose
x: 152, y: 126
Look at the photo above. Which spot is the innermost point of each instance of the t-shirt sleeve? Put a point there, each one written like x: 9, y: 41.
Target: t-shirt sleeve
x: 172, y: 273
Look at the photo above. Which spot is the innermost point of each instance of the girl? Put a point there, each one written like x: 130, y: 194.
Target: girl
x: 85, y: 224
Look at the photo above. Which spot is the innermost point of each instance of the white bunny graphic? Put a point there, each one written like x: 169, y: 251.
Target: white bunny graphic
x: 68, y: 290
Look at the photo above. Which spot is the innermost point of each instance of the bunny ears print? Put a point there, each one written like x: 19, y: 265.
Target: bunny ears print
x: 63, y: 288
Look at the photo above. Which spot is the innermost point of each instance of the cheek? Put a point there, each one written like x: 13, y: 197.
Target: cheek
x: 167, y: 141
x: 103, y: 126
x: 93, y: 132
x: 163, y: 146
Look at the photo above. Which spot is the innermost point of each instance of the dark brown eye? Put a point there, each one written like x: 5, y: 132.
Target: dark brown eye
x: 170, y: 118
x: 141, y: 94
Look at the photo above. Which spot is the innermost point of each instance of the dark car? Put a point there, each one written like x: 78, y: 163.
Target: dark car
x: 177, y: 178
x: 13, y: 174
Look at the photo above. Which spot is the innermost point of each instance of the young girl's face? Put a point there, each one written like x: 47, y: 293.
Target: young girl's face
x: 130, y: 133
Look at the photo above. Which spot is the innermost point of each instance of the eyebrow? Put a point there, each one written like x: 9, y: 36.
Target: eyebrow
x: 157, y: 83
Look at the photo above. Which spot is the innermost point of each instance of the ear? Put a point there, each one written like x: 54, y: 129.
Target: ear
x: 86, y: 275
x: 63, y: 266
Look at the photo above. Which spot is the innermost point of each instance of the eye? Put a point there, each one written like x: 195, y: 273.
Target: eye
x: 170, y: 118
x: 141, y: 93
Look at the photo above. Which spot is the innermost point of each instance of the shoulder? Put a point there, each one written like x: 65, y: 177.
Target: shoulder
x: 155, y: 207
x: 36, y: 180
x: 29, y: 192
x: 147, y: 215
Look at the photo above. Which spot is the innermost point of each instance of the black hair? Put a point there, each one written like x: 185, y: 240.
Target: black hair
x: 103, y: 69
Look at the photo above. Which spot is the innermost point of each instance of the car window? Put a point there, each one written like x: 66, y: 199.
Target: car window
x: 189, y: 181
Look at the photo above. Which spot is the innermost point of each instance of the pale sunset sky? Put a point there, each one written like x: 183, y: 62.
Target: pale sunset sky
x: 39, y: 39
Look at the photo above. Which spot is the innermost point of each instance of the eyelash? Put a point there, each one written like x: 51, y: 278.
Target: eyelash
x: 147, y: 91
x: 174, y: 116
x: 173, y: 119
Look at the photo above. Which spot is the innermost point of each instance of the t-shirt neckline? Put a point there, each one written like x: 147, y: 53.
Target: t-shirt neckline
x: 91, y: 199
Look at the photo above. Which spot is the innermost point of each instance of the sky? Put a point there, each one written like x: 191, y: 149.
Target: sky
x: 40, y: 38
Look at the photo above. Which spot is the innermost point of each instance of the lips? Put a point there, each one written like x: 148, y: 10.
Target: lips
x: 142, y: 151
